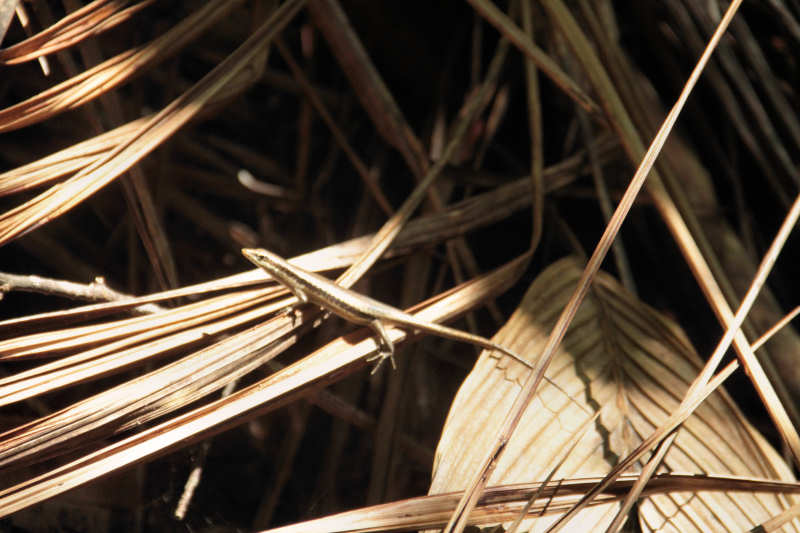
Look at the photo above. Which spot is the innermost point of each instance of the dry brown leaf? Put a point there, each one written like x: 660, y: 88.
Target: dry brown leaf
x: 634, y: 365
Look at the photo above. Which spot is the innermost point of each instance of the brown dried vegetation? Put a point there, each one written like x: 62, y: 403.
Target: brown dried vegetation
x: 150, y: 381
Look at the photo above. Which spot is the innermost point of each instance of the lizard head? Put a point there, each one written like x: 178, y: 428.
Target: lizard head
x: 274, y: 264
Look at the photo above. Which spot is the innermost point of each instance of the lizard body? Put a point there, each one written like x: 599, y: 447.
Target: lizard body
x: 358, y: 308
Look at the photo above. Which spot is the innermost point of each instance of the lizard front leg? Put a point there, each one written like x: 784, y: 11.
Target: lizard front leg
x: 385, y: 346
x: 291, y: 310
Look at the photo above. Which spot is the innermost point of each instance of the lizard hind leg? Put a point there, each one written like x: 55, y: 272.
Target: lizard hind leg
x: 385, y: 346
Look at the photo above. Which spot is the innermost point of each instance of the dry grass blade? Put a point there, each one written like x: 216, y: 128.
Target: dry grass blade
x: 70, y: 193
x: 337, y: 133
x: 749, y: 361
x: 375, y: 96
x: 777, y: 522
x: 501, y: 502
x: 56, y: 342
x: 153, y: 394
x: 633, y: 366
x: 542, y: 60
x: 91, y: 20
x: 182, y: 329
x: 67, y: 161
x: 766, y: 78
x: 537, y: 138
x: 92, y: 83
x: 749, y: 98
x: 633, y: 496
x: 782, y: 323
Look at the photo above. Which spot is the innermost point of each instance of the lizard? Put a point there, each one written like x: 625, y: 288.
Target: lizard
x: 358, y: 308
